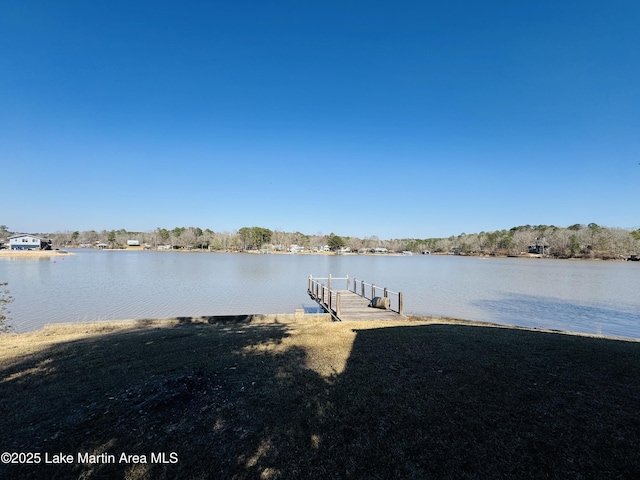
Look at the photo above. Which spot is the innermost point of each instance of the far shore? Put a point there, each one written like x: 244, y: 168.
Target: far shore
x: 323, y: 253
x: 58, y: 252
x: 34, y: 253
x: 369, y: 254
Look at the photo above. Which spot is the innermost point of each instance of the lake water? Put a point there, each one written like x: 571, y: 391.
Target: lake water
x: 581, y: 296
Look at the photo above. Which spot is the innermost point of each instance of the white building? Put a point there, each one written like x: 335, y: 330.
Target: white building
x: 24, y: 242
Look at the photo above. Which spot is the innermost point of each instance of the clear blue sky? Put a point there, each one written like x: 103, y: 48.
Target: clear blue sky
x: 396, y: 119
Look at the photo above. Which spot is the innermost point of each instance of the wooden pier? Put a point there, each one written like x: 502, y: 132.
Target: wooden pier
x: 352, y: 303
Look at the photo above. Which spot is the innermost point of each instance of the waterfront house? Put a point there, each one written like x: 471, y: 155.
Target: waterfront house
x: 25, y: 242
x: 539, y: 246
x: 134, y: 245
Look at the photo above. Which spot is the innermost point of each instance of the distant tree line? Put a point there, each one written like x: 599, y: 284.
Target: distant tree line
x: 575, y: 241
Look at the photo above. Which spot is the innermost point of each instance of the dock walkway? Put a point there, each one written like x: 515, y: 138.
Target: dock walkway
x: 353, y: 303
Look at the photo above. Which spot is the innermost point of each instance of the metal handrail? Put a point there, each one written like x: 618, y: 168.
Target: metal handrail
x: 318, y: 291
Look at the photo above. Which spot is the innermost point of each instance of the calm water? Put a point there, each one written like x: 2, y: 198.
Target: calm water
x: 589, y: 297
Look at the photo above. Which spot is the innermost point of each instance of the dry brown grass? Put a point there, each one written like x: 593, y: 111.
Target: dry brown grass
x: 412, y: 399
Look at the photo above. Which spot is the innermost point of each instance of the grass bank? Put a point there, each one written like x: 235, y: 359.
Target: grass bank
x: 411, y: 399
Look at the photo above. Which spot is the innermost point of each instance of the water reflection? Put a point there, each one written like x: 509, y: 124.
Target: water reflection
x: 555, y: 313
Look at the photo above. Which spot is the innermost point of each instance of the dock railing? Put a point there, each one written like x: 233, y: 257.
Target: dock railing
x: 370, y: 290
x: 329, y: 298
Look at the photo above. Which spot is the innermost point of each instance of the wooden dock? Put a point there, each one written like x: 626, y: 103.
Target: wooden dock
x: 352, y: 303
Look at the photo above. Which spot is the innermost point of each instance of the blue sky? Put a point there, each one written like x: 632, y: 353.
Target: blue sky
x: 407, y: 119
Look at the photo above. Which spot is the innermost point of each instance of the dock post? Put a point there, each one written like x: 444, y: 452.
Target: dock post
x: 373, y: 290
x: 329, y: 283
x: 362, y: 288
x: 348, y: 283
x: 338, y: 304
x: 386, y: 294
x: 400, y: 303
x: 309, y: 283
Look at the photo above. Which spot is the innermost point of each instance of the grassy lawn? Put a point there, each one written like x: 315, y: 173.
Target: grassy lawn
x: 411, y: 399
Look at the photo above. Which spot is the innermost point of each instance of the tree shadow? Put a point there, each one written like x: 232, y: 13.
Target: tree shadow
x: 220, y: 396
x: 238, y: 400
x: 451, y: 401
x: 220, y: 319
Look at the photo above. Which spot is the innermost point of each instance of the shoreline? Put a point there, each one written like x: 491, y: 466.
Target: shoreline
x: 98, y: 327
x: 34, y: 253
x: 526, y: 256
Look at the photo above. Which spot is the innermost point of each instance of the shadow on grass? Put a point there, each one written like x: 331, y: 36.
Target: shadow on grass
x: 446, y: 401
x: 232, y: 401
x: 219, y: 319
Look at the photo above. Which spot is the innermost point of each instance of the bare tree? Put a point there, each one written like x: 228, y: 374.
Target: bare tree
x: 5, y: 299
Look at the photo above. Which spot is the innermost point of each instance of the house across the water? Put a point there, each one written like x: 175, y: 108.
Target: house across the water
x: 25, y: 241
x: 539, y: 246
x: 134, y: 245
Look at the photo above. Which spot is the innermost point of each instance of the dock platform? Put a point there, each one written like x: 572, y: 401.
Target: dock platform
x: 352, y: 303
